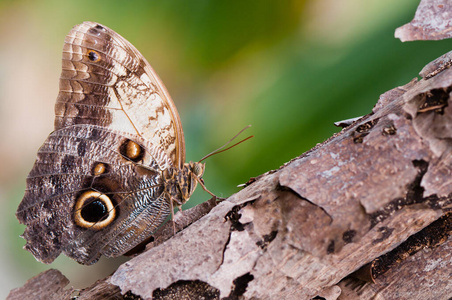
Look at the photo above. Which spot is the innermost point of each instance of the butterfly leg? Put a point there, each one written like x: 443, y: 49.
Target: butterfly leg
x: 172, y: 215
x: 201, y: 183
x: 174, y: 202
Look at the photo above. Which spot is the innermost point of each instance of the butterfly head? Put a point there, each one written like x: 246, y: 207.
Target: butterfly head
x: 189, y: 177
x: 196, y: 169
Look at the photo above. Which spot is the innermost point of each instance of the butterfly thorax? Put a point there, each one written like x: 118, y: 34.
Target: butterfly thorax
x: 181, y: 183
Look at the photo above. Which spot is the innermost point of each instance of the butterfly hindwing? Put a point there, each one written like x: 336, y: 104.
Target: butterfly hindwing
x: 67, y: 167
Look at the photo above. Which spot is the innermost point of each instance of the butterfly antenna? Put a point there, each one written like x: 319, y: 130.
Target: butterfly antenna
x: 219, y: 150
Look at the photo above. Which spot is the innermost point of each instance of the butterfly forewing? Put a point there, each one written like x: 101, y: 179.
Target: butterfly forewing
x: 105, y: 81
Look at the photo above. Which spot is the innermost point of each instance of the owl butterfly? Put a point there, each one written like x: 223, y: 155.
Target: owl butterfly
x: 111, y: 172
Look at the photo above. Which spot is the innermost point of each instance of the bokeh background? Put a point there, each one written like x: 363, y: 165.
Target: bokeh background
x: 288, y: 68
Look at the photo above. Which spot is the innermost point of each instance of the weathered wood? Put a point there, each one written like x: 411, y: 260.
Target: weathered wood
x: 431, y: 22
x: 418, y: 271
x: 48, y: 285
x: 296, y: 232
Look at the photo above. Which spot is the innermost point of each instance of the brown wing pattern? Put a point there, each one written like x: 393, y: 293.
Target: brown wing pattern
x: 65, y: 169
x: 97, y: 186
x: 105, y: 81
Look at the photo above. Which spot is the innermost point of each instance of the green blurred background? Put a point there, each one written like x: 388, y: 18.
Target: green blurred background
x: 289, y: 68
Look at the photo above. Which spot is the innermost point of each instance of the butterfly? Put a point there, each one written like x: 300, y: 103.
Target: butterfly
x: 114, y: 168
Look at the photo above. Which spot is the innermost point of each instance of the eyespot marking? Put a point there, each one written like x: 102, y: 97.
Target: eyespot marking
x: 132, y: 150
x: 94, y: 210
x: 94, y: 56
x: 99, y: 169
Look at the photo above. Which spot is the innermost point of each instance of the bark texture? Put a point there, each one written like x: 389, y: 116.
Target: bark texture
x: 431, y: 22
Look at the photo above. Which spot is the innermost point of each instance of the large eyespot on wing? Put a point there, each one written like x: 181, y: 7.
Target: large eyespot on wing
x: 105, y: 81
x: 86, y: 195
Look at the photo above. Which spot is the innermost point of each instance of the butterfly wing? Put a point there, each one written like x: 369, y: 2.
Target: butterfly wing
x: 105, y: 81
x: 116, y: 130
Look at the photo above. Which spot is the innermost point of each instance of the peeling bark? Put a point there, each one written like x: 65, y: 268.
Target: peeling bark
x: 431, y: 22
